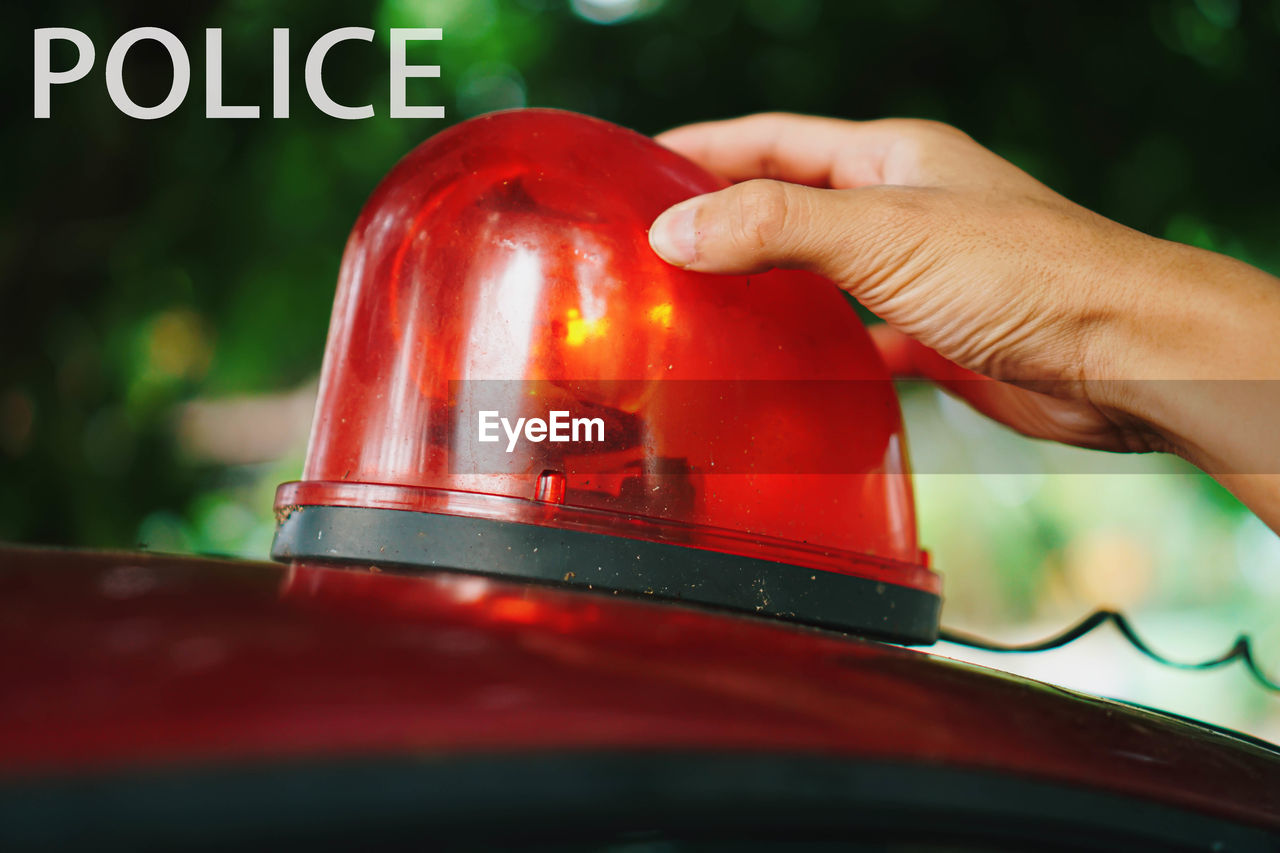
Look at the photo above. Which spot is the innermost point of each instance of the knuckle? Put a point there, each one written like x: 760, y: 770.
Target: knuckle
x: 771, y: 117
x: 930, y: 128
x: 763, y: 213
x: 943, y: 127
x: 920, y: 136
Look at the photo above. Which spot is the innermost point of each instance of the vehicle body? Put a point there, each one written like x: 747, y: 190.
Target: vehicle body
x: 155, y: 702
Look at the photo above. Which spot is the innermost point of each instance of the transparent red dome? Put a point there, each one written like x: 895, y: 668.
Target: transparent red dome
x: 502, y: 270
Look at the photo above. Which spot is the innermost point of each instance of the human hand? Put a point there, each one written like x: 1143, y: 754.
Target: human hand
x: 1041, y: 314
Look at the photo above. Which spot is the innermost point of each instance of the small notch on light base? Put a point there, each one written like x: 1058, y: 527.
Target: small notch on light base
x: 550, y: 487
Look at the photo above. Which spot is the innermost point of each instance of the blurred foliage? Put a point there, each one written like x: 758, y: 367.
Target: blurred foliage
x: 147, y: 264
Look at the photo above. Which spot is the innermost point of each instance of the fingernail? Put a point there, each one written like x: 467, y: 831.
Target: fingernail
x: 673, y: 235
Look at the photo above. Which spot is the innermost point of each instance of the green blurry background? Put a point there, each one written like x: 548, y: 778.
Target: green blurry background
x: 167, y: 284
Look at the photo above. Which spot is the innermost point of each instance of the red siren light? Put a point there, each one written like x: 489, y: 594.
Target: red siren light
x: 515, y: 384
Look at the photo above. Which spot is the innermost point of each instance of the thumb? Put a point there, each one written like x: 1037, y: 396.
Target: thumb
x: 753, y: 226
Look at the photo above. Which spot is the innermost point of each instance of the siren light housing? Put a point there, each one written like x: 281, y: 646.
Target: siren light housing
x: 732, y: 441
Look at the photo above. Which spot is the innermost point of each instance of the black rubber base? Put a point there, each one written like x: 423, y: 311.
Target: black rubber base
x: 419, y: 540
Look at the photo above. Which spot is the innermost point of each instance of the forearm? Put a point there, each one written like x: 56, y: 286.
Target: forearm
x: 1196, y: 357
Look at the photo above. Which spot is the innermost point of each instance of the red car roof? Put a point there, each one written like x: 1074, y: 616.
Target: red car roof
x: 120, y: 660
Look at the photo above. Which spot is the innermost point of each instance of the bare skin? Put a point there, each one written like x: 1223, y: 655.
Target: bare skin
x: 1041, y: 314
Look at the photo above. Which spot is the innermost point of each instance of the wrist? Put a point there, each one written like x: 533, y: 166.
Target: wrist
x: 1191, y: 360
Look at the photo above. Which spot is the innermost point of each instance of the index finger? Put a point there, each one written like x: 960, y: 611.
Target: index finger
x: 818, y: 152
